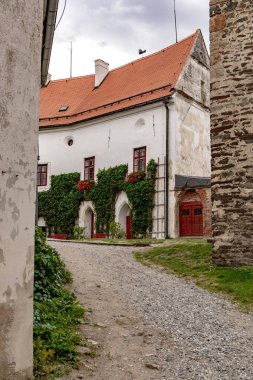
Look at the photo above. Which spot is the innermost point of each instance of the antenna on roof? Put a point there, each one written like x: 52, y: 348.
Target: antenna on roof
x: 142, y: 51
x: 71, y: 59
x: 175, y: 17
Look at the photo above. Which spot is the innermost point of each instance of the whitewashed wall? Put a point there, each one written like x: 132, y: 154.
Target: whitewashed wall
x: 111, y: 140
x: 189, y: 152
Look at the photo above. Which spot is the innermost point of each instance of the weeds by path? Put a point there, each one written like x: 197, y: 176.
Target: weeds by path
x: 193, y: 261
x: 57, y: 313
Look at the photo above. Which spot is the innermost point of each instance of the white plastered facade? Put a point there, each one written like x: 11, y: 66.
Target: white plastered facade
x: 112, y: 139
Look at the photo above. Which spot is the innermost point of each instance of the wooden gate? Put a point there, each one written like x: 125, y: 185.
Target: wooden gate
x: 191, y: 219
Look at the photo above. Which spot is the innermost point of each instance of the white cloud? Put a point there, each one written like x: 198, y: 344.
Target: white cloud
x: 115, y: 30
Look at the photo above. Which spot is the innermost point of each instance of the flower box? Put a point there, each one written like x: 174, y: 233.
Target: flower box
x: 85, y: 185
x: 100, y: 236
x: 59, y: 236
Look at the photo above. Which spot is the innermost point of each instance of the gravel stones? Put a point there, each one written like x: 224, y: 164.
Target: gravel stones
x: 203, y: 336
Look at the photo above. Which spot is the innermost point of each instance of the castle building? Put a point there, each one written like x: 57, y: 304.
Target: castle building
x: 156, y: 107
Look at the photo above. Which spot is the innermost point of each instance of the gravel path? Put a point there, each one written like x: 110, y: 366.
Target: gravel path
x: 172, y: 329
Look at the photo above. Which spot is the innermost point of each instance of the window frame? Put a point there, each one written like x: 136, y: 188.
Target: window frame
x: 139, y: 157
x: 39, y: 175
x: 89, y: 166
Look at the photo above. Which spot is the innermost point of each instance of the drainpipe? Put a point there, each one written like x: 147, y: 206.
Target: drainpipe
x: 166, y: 201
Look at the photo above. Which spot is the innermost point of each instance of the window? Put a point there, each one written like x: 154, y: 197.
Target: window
x: 89, y: 166
x: 42, y: 175
x: 140, y: 159
x: 63, y: 108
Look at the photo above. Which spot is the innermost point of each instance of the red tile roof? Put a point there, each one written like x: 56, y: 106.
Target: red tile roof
x: 144, y: 80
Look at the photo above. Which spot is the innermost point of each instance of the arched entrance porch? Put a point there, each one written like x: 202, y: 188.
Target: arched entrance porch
x: 86, y: 218
x: 123, y: 214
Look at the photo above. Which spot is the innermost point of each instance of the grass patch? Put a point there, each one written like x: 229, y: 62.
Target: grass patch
x: 192, y: 259
x: 144, y: 241
x: 57, y: 314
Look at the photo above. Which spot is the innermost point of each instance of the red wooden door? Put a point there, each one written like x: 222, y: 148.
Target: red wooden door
x: 92, y: 225
x: 128, y: 227
x: 191, y: 219
x: 197, y: 220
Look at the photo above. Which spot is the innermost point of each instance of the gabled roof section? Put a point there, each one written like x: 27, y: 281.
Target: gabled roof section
x: 139, y: 82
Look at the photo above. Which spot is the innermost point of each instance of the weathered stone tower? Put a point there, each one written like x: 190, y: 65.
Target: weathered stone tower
x: 231, y: 27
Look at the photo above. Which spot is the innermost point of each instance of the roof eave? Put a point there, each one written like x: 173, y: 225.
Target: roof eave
x: 49, y: 126
x: 49, y: 20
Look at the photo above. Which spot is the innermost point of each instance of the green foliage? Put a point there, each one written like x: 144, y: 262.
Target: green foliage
x: 194, y: 260
x: 114, y: 229
x: 141, y: 198
x: 50, y: 273
x: 103, y: 195
x: 56, y: 312
x: 78, y: 232
x: 60, y: 204
x: 151, y: 169
x: 121, y: 234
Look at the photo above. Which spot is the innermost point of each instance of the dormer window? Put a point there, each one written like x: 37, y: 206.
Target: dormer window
x: 63, y: 108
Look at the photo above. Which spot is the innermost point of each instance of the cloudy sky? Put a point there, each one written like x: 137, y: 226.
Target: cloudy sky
x: 114, y: 30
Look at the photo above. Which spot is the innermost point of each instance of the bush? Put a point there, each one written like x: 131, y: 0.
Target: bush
x: 114, y: 229
x: 56, y: 312
x: 78, y: 232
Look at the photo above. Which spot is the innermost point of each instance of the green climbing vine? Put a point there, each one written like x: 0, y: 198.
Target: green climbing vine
x: 141, y: 197
x: 59, y: 206
x: 103, y: 195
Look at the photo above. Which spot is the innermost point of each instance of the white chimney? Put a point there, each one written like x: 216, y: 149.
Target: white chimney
x: 101, y: 70
x: 49, y: 77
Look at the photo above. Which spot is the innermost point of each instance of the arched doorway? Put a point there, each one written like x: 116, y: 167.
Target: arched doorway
x: 86, y: 218
x: 190, y: 215
x: 124, y: 220
x: 123, y: 214
x: 89, y: 223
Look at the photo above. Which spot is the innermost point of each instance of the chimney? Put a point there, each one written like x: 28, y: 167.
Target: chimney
x: 101, y: 70
x: 49, y: 77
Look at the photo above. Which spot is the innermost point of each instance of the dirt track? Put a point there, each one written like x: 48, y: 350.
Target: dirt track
x: 149, y: 325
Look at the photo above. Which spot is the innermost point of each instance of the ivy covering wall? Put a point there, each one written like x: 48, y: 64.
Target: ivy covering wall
x: 60, y: 205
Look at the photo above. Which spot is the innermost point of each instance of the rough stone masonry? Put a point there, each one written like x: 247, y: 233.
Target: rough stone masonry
x: 231, y: 29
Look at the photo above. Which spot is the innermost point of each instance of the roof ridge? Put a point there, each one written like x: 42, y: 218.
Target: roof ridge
x: 157, y: 52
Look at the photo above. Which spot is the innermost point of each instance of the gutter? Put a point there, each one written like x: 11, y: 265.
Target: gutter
x: 49, y: 20
x: 50, y: 126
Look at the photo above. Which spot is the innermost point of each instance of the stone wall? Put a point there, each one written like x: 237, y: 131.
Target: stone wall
x: 20, y: 62
x: 231, y: 30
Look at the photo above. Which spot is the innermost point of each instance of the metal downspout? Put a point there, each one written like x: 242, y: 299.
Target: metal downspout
x: 166, y: 203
